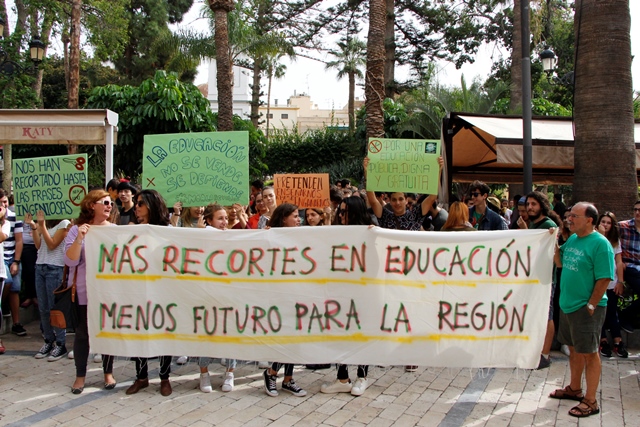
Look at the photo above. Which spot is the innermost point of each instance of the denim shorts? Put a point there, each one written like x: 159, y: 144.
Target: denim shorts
x: 13, y: 281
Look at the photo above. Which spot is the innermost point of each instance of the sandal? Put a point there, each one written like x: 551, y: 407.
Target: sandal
x: 585, y: 409
x: 567, y: 393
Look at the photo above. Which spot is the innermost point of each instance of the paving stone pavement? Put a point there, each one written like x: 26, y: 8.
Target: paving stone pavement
x: 37, y: 393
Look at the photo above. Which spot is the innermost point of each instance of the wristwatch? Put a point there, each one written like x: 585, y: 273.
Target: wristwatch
x: 591, y: 307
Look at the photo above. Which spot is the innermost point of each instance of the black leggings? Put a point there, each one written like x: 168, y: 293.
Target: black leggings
x: 81, y: 346
x: 343, y: 371
x: 288, y: 368
x: 142, y: 367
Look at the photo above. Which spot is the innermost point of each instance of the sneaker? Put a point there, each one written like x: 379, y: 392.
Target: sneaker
x: 270, y: 383
x: 564, y: 349
x: 227, y: 385
x: 410, y: 368
x: 627, y: 327
x: 605, y: 349
x: 205, y: 383
x: 71, y: 355
x: 97, y: 358
x: 544, y: 363
x: 44, y: 350
x: 19, y: 330
x: 359, y: 387
x: 264, y: 365
x: 336, y: 387
x: 620, y: 350
x: 293, y: 388
x: 57, y: 353
x: 182, y: 360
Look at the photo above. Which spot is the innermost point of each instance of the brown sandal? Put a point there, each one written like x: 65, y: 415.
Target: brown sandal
x: 587, y: 410
x: 568, y: 393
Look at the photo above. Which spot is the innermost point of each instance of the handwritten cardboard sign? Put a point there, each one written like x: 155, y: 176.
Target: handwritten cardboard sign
x: 345, y: 294
x: 303, y: 190
x: 403, y: 165
x: 55, y: 185
x: 198, y: 168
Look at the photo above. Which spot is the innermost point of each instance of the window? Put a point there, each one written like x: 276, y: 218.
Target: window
x: 270, y: 116
x: 284, y: 116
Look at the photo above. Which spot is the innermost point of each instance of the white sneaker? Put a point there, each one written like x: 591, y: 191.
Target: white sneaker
x: 182, y: 360
x: 565, y: 349
x: 336, y: 387
x: 228, y: 382
x: 97, y: 358
x: 205, y: 383
x: 70, y: 355
x: 264, y: 365
x: 359, y: 387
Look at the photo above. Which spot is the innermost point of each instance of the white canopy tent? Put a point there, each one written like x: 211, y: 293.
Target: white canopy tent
x: 78, y: 127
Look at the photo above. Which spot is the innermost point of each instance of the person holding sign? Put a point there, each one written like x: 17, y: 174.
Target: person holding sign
x: 285, y: 215
x: 95, y: 210
x: 151, y: 209
x: 260, y: 210
x: 48, y: 236
x: 269, y: 198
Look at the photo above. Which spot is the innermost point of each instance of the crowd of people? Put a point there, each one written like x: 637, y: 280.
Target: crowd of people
x: 36, y: 252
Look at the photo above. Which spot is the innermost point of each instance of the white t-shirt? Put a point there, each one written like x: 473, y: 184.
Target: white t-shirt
x: 6, y: 229
x: 55, y: 256
x: 617, y: 250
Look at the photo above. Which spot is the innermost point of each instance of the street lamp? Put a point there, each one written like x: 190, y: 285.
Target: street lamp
x: 549, y: 62
x: 36, y: 52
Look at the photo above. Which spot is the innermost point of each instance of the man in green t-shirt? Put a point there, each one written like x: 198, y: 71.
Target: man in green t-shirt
x: 538, y: 208
x: 587, y: 262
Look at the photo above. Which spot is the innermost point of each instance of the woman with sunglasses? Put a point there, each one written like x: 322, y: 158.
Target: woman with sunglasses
x: 150, y: 208
x: 285, y: 215
x: 352, y: 211
x: 608, y: 227
x: 95, y: 210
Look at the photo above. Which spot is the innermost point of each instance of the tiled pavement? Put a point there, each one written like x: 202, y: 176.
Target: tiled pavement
x: 36, y: 393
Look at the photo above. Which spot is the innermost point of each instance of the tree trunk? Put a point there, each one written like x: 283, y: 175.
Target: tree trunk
x: 390, y: 50
x: 604, y: 153
x: 3, y: 14
x: 223, y: 68
x: 255, y: 91
x: 46, y: 33
x: 352, y: 95
x: 515, y: 103
x: 269, y: 100
x: 374, y: 82
x: 74, y: 63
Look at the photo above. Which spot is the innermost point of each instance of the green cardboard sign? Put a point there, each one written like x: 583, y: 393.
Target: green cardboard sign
x: 403, y: 165
x: 198, y: 168
x: 55, y: 185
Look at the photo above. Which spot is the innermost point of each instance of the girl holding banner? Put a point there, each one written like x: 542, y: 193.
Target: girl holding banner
x: 150, y: 208
x: 285, y: 215
x: 95, y: 210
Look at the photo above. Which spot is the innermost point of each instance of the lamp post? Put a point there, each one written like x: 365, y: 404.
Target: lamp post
x: 549, y: 62
x: 9, y: 67
x: 527, y: 144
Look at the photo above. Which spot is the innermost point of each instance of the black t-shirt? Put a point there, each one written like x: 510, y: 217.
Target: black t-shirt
x: 127, y: 217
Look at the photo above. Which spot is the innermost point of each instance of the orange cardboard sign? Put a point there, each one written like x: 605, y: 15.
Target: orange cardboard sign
x: 304, y: 190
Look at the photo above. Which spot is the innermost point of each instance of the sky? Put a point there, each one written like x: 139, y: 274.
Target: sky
x: 310, y: 77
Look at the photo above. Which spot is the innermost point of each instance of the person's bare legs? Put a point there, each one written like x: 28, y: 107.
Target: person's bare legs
x: 14, y: 303
x: 576, y: 366
x: 593, y: 369
x: 548, y: 338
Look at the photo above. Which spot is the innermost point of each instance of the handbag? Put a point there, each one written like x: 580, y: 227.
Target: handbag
x: 64, y: 313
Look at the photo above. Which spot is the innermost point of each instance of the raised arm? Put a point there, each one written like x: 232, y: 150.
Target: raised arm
x: 371, y: 195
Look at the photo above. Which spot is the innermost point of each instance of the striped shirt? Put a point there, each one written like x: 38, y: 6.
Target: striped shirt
x: 630, y: 243
x: 10, y: 243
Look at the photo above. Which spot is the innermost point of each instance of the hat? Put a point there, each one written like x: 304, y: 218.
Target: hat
x: 126, y: 185
x: 494, y: 201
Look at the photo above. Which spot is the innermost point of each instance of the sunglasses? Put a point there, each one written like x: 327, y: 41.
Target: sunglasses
x: 475, y: 194
x: 140, y: 203
x: 106, y: 203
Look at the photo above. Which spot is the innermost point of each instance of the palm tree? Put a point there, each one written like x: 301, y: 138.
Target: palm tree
x: 349, y: 59
x: 374, y: 82
x: 277, y: 70
x: 604, y: 153
x: 221, y: 9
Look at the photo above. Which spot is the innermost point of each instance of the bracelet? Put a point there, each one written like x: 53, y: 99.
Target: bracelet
x: 17, y: 261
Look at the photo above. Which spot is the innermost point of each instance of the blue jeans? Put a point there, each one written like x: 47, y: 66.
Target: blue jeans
x: 13, y: 281
x: 48, y: 278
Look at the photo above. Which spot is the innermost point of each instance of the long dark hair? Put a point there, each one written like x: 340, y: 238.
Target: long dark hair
x: 158, y: 212
x: 280, y: 214
x: 356, y: 211
x: 614, y: 233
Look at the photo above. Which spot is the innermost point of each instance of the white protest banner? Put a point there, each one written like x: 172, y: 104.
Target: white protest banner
x: 343, y: 294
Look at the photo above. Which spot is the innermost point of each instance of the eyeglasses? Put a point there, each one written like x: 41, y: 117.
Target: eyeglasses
x: 140, y: 203
x: 476, y: 194
x: 636, y: 209
x: 106, y: 203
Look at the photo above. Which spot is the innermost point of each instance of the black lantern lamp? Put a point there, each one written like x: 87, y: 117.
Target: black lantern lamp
x: 549, y: 62
x: 36, y: 52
